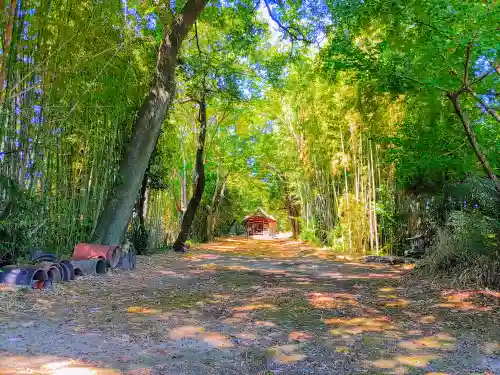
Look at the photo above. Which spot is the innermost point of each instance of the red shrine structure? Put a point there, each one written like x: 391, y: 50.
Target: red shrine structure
x: 260, y: 223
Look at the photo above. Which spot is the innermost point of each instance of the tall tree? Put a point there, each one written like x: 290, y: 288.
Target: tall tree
x: 199, y: 179
x: 116, y: 213
x: 120, y: 202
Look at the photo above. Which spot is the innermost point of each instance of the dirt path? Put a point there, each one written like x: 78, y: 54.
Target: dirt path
x: 249, y: 307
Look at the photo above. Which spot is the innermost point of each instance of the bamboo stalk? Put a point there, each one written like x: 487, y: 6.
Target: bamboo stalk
x: 346, y: 194
x: 375, y: 225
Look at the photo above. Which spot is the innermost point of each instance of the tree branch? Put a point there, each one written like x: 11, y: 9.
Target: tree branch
x: 454, y: 98
x: 185, y: 101
x: 197, y: 39
x: 490, y: 110
x: 496, y: 67
x: 434, y: 28
x: 294, y: 34
x: 421, y: 82
x: 467, y: 64
x: 225, y: 114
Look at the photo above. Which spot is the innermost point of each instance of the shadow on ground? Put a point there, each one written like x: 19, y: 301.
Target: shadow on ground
x: 250, y: 307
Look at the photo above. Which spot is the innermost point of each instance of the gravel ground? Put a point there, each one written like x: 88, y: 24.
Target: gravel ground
x: 250, y: 307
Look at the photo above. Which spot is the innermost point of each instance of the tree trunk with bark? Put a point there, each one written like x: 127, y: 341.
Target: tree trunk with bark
x: 213, y: 209
x: 199, y: 184
x: 140, y: 235
x: 293, y: 210
x: 7, y: 42
x: 120, y: 202
x: 141, y: 201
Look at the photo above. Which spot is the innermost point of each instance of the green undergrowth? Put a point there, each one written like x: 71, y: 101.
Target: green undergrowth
x: 467, y: 250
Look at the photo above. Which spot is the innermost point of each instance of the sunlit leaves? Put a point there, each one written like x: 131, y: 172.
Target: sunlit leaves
x: 418, y: 49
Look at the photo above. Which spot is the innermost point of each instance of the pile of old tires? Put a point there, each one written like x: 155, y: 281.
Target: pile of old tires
x: 87, y: 259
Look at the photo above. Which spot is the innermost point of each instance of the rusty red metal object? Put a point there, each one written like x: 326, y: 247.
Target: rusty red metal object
x: 110, y: 253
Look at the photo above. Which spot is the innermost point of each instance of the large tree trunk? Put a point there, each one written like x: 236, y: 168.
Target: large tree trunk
x: 293, y: 210
x: 121, y: 199
x: 199, y: 185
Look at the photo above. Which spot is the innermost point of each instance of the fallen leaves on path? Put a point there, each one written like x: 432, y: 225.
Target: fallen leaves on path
x: 249, y: 307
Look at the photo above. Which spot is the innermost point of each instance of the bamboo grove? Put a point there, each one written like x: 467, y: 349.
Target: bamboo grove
x: 61, y: 135
x: 358, y: 125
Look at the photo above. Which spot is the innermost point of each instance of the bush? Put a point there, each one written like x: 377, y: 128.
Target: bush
x: 467, y: 249
x: 139, y: 236
x: 20, y: 223
x: 308, y: 234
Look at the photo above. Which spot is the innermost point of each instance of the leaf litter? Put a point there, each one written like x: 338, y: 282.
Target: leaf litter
x: 228, y: 312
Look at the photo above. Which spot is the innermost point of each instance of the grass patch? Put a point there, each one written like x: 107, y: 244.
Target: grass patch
x: 175, y: 300
x: 237, y: 279
x: 295, y: 313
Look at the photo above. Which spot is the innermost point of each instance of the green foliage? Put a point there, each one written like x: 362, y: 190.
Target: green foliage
x: 66, y: 113
x: 468, y: 249
x: 138, y: 235
x: 467, y: 246
x: 356, y: 133
x: 17, y: 231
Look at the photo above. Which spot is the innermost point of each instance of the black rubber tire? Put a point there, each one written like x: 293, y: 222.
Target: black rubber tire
x: 66, y: 272
x: 70, y: 269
